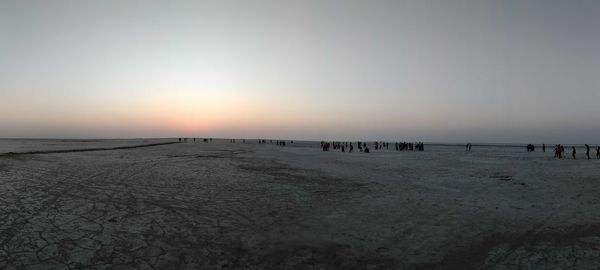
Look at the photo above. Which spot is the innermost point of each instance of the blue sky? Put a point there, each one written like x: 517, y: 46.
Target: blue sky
x: 489, y: 71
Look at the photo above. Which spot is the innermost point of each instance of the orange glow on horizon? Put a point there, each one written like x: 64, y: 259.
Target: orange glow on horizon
x: 194, y: 113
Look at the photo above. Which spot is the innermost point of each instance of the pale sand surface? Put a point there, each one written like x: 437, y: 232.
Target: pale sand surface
x: 247, y: 206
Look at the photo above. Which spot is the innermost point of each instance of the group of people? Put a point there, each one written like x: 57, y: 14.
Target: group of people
x: 420, y: 146
x: 531, y: 148
x: 278, y: 142
x: 559, y: 151
x: 337, y: 145
x: 194, y: 139
x: 363, y: 147
x: 343, y: 146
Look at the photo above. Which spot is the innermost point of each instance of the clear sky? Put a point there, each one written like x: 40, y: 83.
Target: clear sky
x: 448, y: 70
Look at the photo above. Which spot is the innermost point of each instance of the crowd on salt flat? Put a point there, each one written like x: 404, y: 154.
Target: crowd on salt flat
x: 559, y: 149
x: 363, y: 146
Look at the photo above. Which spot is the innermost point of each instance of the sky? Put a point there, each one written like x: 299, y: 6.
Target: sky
x: 436, y: 71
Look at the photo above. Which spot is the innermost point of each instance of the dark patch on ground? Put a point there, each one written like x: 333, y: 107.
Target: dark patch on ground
x: 13, y: 156
x: 323, y: 256
x: 502, y: 177
x: 314, y: 253
x: 315, y: 180
x: 477, y: 255
x: 218, y: 154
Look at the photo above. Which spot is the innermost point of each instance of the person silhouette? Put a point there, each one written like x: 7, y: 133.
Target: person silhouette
x: 598, y: 152
x: 587, y: 151
x: 574, y: 152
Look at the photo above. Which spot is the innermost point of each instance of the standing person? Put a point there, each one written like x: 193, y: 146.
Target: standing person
x: 559, y: 151
x: 574, y: 152
x: 543, y: 147
x: 587, y: 151
x: 598, y: 152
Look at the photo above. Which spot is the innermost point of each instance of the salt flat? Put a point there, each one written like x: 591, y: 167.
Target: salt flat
x: 28, y: 145
x: 225, y: 205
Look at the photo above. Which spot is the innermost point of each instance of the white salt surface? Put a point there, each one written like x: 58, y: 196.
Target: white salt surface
x: 20, y: 145
x: 228, y: 205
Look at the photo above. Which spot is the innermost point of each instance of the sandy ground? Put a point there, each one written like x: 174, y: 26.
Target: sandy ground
x: 222, y: 205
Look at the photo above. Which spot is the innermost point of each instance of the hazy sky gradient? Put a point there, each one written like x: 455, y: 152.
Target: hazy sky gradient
x: 448, y: 70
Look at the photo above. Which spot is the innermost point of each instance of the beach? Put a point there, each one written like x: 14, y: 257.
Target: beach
x: 221, y: 205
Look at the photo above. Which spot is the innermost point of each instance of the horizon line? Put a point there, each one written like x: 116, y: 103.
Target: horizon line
x: 450, y: 143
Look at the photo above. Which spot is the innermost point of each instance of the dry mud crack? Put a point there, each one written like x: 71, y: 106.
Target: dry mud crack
x: 80, y: 210
x: 244, y: 206
x: 570, y: 247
